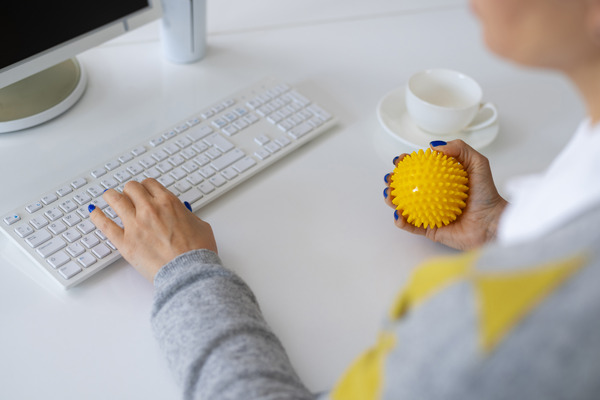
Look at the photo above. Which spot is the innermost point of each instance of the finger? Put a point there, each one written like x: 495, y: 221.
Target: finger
x: 155, y: 188
x: 112, y: 231
x: 403, y: 224
x: 399, y: 158
x: 455, y: 148
x: 120, y: 203
x: 389, y: 199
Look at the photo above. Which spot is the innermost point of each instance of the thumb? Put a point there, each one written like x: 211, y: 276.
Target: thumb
x: 462, y: 152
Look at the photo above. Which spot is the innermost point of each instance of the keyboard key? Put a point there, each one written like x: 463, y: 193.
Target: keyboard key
x: 68, y: 205
x: 135, y: 169
x: 38, y: 222
x: 95, y: 190
x: 227, y: 159
x: 101, y: 251
x: 50, y: 247
x: 38, y: 238
x: 112, y: 165
x: 33, y: 207
x: 82, y: 198
x: 73, y: 219
x: 57, y: 227
x: 206, y: 187
x: 97, y: 173
x: 126, y: 158
x: 86, y: 227
x: 122, y: 176
x: 71, y: 235
x: 53, y: 214
x: 218, y: 180
x: 49, y: 198
x: 244, y: 164
x: 11, y: 219
x: 63, y: 191
x: 69, y: 270
x: 157, y: 141
x: 229, y: 173
x: 300, y: 130
x: 138, y: 151
x: 58, y: 259
x: 109, y: 183
x: 219, y: 142
x: 79, y: 182
x: 75, y: 249
x: 86, y: 259
x: 24, y: 230
x: 90, y: 241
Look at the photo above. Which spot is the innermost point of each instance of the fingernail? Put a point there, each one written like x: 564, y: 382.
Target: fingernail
x: 396, y: 216
x: 188, y: 205
x: 437, y: 143
x: 91, y: 208
x: 386, y: 177
x: 395, y: 160
x: 385, y: 195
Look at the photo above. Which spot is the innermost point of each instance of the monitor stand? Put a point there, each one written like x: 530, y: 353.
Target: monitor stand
x: 41, y: 97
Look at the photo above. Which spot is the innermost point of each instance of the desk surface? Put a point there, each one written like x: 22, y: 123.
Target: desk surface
x: 328, y: 260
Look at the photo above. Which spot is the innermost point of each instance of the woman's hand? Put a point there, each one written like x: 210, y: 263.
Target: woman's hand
x: 157, y: 226
x: 479, y: 220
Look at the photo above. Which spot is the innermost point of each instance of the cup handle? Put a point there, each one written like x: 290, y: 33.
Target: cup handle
x: 488, y: 121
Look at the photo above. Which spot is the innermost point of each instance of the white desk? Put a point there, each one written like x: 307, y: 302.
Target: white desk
x: 328, y: 260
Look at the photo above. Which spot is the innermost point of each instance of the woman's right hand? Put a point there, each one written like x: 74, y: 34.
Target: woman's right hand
x: 479, y: 220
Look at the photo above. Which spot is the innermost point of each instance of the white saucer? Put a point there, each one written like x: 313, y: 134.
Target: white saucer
x: 392, y: 114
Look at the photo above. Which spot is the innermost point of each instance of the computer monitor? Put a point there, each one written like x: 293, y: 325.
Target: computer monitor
x: 40, y: 78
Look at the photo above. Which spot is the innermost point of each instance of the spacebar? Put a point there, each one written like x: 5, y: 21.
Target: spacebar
x: 227, y: 159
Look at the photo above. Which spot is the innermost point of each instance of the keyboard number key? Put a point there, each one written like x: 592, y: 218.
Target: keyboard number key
x: 38, y: 222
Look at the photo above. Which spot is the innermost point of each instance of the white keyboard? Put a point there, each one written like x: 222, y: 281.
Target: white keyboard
x: 198, y: 159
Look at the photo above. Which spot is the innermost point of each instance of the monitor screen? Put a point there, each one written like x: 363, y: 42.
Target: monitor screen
x: 53, y: 23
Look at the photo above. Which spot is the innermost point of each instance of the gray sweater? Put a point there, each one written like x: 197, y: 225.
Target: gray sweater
x: 498, y: 323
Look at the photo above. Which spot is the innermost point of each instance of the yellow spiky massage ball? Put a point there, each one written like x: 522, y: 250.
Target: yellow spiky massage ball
x: 429, y: 188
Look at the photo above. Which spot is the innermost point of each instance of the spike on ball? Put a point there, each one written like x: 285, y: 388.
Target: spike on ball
x: 429, y: 188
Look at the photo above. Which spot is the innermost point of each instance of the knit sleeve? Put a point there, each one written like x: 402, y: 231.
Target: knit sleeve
x: 209, y: 325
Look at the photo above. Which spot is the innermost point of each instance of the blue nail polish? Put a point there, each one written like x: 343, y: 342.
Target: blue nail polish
x: 188, y: 205
x: 385, y: 195
x: 91, y: 208
x: 396, y: 216
x: 437, y: 143
x: 104, y: 190
x: 395, y: 160
x: 386, y: 178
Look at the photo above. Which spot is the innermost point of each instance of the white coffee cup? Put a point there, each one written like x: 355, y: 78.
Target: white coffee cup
x: 442, y: 101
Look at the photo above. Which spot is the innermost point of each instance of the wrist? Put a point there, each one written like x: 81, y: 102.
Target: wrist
x: 494, y: 219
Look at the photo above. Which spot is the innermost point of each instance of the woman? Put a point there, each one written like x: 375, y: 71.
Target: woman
x: 517, y: 317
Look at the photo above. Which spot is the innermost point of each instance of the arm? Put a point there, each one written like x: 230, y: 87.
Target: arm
x: 212, y: 332
x: 206, y: 319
